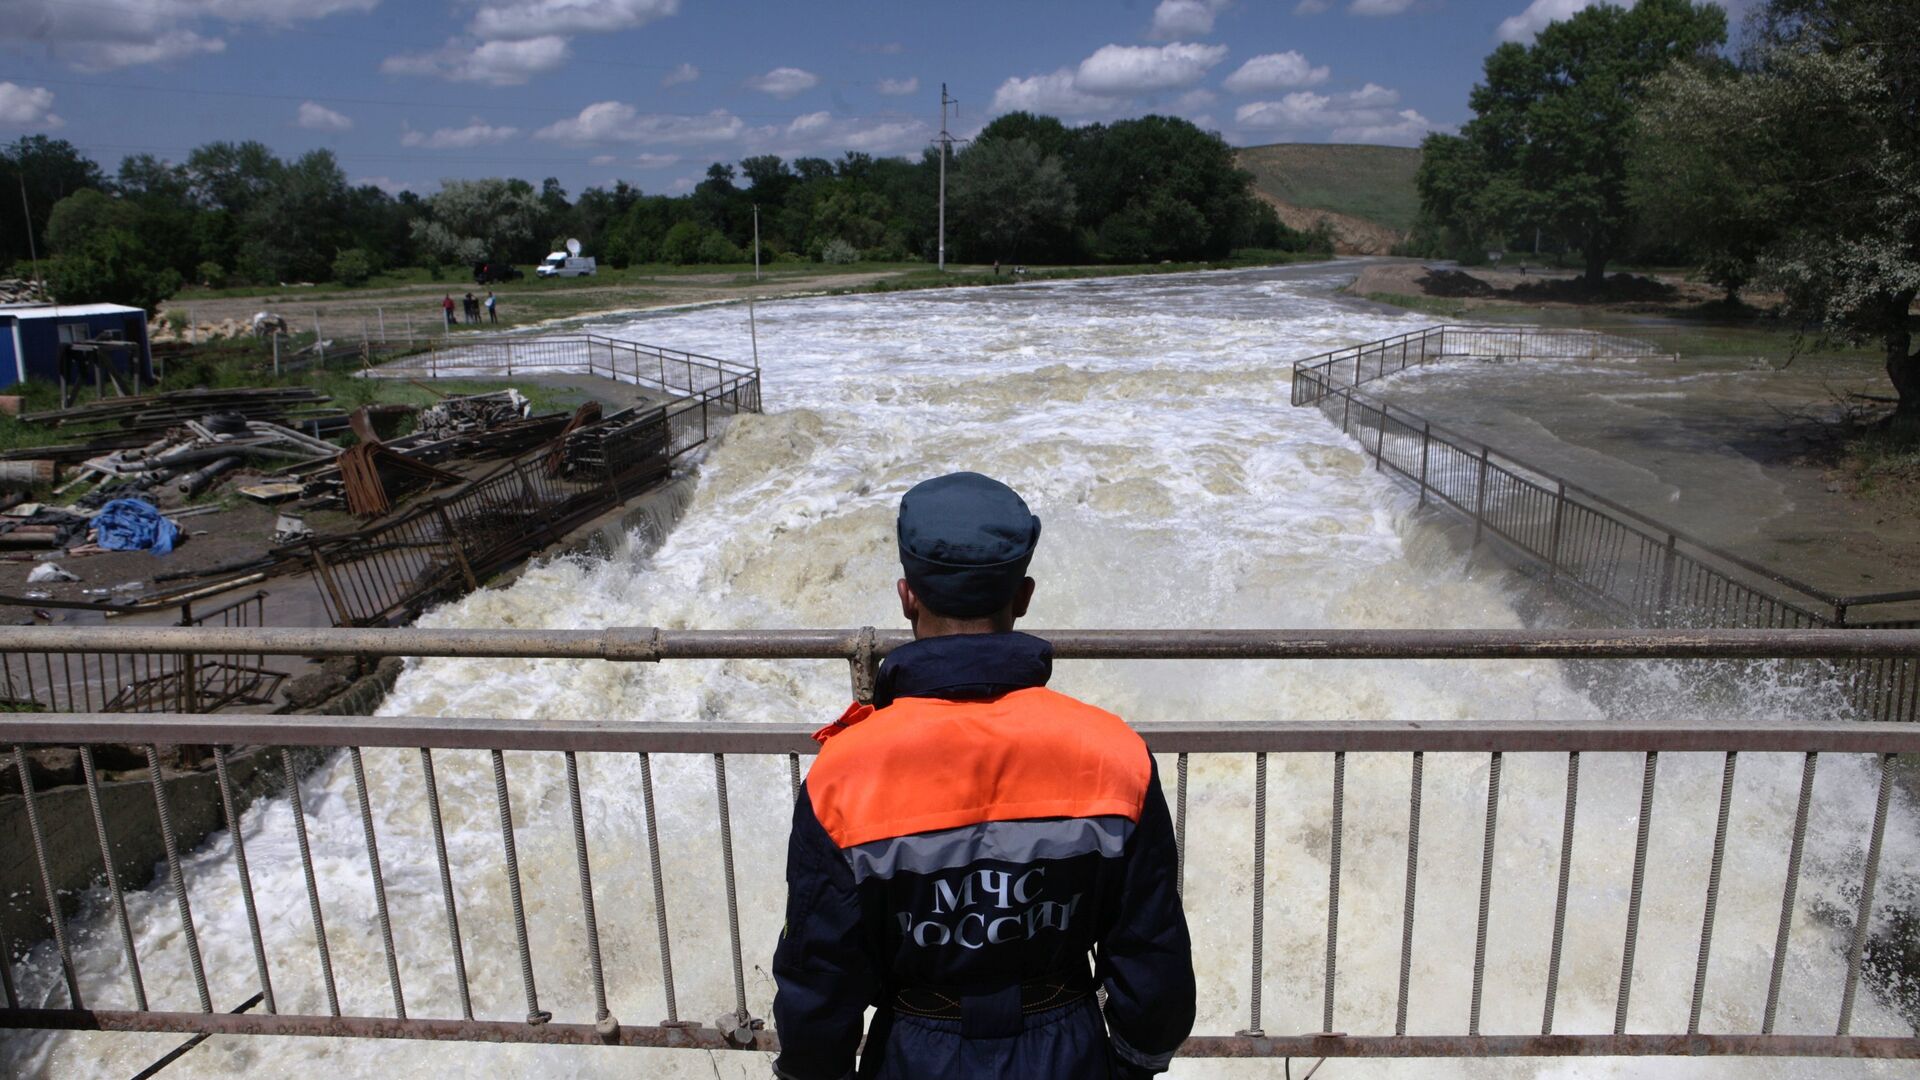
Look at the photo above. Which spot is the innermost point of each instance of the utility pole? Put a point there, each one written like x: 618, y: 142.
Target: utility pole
x: 756, y: 241
x: 26, y: 211
x: 946, y: 147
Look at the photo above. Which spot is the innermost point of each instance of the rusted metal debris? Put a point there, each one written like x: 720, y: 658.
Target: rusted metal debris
x: 587, y: 415
x: 364, y: 471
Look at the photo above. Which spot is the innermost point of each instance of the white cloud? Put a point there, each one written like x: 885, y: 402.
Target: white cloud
x: 1524, y: 26
x: 520, y: 20
x: 617, y: 121
x: 1055, y: 95
x: 101, y: 37
x: 1379, y: 7
x: 810, y: 123
x: 1275, y: 71
x: 602, y: 159
x: 1176, y: 19
x: 655, y: 161
x: 685, y: 73
x: 500, y: 63
x: 386, y: 183
x: 784, y: 82
x: 27, y: 107
x: 1139, y: 69
x: 1196, y: 98
x: 899, y: 87
x: 317, y: 117
x: 1363, y: 115
x: 477, y: 133
x: 684, y: 183
x: 1311, y: 7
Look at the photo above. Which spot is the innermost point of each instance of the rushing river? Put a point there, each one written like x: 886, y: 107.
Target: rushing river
x: 1146, y: 421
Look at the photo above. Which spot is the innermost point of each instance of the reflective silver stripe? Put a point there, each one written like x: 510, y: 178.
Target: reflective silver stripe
x: 1002, y: 841
x: 1149, y: 1062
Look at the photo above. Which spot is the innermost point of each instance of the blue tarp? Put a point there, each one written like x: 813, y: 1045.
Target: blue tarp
x: 132, y: 525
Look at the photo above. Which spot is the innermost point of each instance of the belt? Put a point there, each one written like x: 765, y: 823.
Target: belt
x: 1036, y: 995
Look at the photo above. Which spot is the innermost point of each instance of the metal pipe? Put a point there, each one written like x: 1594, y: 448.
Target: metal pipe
x: 246, y: 879
x: 535, y: 1015
x: 1333, y: 884
x: 674, y: 1036
x: 1486, y: 893
x: 1863, y: 912
x: 646, y: 644
x: 1794, y: 850
x: 47, y: 894
x: 1713, y: 893
x: 1636, y: 892
x: 172, y: 846
x: 379, y: 882
x: 1180, y: 824
x: 1631, y: 734
x: 1259, y: 890
x: 601, y: 1016
x: 446, y: 884
x: 113, y: 880
x: 659, y: 889
x: 1407, y: 906
x: 741, y: 1020
x: 313, y: 885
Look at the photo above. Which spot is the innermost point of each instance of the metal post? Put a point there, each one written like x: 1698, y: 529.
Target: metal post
x: 274, y: 337
x: 1663, y: 615
x: 1426, y: 446
x: 1863, y: 912
x: 1553, y: 542
x: 1380, y: 439
x: 1480, y: 498
x: 1259, y: 890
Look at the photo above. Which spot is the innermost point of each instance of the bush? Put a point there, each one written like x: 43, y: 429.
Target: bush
x: 352, y: 267
x: 839, y: 253
x: 211, y: 274
x: 791, y: 257
x: 682, y: 243
x: 715, y: 248
x: 112, y: 266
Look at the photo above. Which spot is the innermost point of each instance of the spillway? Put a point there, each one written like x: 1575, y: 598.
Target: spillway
x: 1146, y: 421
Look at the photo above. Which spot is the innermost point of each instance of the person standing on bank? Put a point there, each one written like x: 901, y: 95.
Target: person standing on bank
x: 493, y: 313
x: 962, y: 845
x: 446, y: 308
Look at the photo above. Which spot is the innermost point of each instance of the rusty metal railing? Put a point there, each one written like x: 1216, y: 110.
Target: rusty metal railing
x: 589, y: 1021
x: 391, y: 572
x: 1609, y: 559
x: 87, y: 680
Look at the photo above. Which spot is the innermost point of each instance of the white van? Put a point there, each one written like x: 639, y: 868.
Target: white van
x: 561, y: 264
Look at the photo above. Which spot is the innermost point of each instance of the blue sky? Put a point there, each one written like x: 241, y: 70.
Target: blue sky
x: 408, y: 92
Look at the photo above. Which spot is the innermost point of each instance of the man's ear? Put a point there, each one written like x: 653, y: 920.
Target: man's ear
x: 909, y: 603
x: 1022, y: 597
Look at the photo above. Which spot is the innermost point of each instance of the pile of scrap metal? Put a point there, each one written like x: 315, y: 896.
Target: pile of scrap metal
x: 471, y: 414
x: 36, y: 525
x: 195, y: 453
x: 479, y: 426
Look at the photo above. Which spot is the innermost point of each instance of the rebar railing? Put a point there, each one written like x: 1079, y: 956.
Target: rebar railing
x: 109, y: 681
x: 1419, y: 742
x: 389, y: 573
x: 1606, y: 557
x: 670, y: 371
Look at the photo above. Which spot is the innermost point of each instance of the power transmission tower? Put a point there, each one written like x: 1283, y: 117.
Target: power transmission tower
x: 946, y: 142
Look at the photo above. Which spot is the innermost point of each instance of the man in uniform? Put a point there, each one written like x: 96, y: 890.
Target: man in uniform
x: 963, y: 844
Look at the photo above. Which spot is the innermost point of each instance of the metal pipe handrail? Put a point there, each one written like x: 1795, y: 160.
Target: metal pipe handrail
x: 1162, y: 736
x: 647, y: 644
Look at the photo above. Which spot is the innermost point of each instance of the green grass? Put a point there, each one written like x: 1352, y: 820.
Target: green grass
x: 1445, y: 307
x: 1884, y: 460
x: 1374, y: 183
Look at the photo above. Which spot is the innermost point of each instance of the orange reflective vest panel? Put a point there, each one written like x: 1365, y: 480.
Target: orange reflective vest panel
x: 924, y: 764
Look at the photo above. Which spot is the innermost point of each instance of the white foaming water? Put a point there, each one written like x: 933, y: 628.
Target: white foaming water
x: 1147, y: 422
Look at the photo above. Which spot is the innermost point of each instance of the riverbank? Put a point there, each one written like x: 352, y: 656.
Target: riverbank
x: 414, y: 308
x: 1744, y: 434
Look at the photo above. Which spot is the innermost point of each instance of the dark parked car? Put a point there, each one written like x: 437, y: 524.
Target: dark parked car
x: 487, y: 273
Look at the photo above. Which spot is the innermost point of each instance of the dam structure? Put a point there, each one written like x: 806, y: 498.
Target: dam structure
x: 1408, y: 831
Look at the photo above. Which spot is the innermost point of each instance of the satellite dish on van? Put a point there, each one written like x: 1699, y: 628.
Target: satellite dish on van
x: 573, y: 247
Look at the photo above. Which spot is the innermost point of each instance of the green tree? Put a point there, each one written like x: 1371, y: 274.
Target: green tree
x: 51, y: 170
x: 1160, y: 188
x: 100, y: 257
x: 352, y: 267
x: 1548, y: 144
x: 473, y: 220
x: 1818, y: 139
x: 1007, y: 193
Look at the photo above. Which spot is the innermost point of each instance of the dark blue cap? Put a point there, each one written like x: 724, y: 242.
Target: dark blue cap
x: 965, y: 542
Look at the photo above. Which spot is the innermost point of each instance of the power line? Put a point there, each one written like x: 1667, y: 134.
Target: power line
x: 468, y: 107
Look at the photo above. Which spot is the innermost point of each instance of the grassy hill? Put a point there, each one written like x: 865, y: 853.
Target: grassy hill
x: 1374, y: 183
